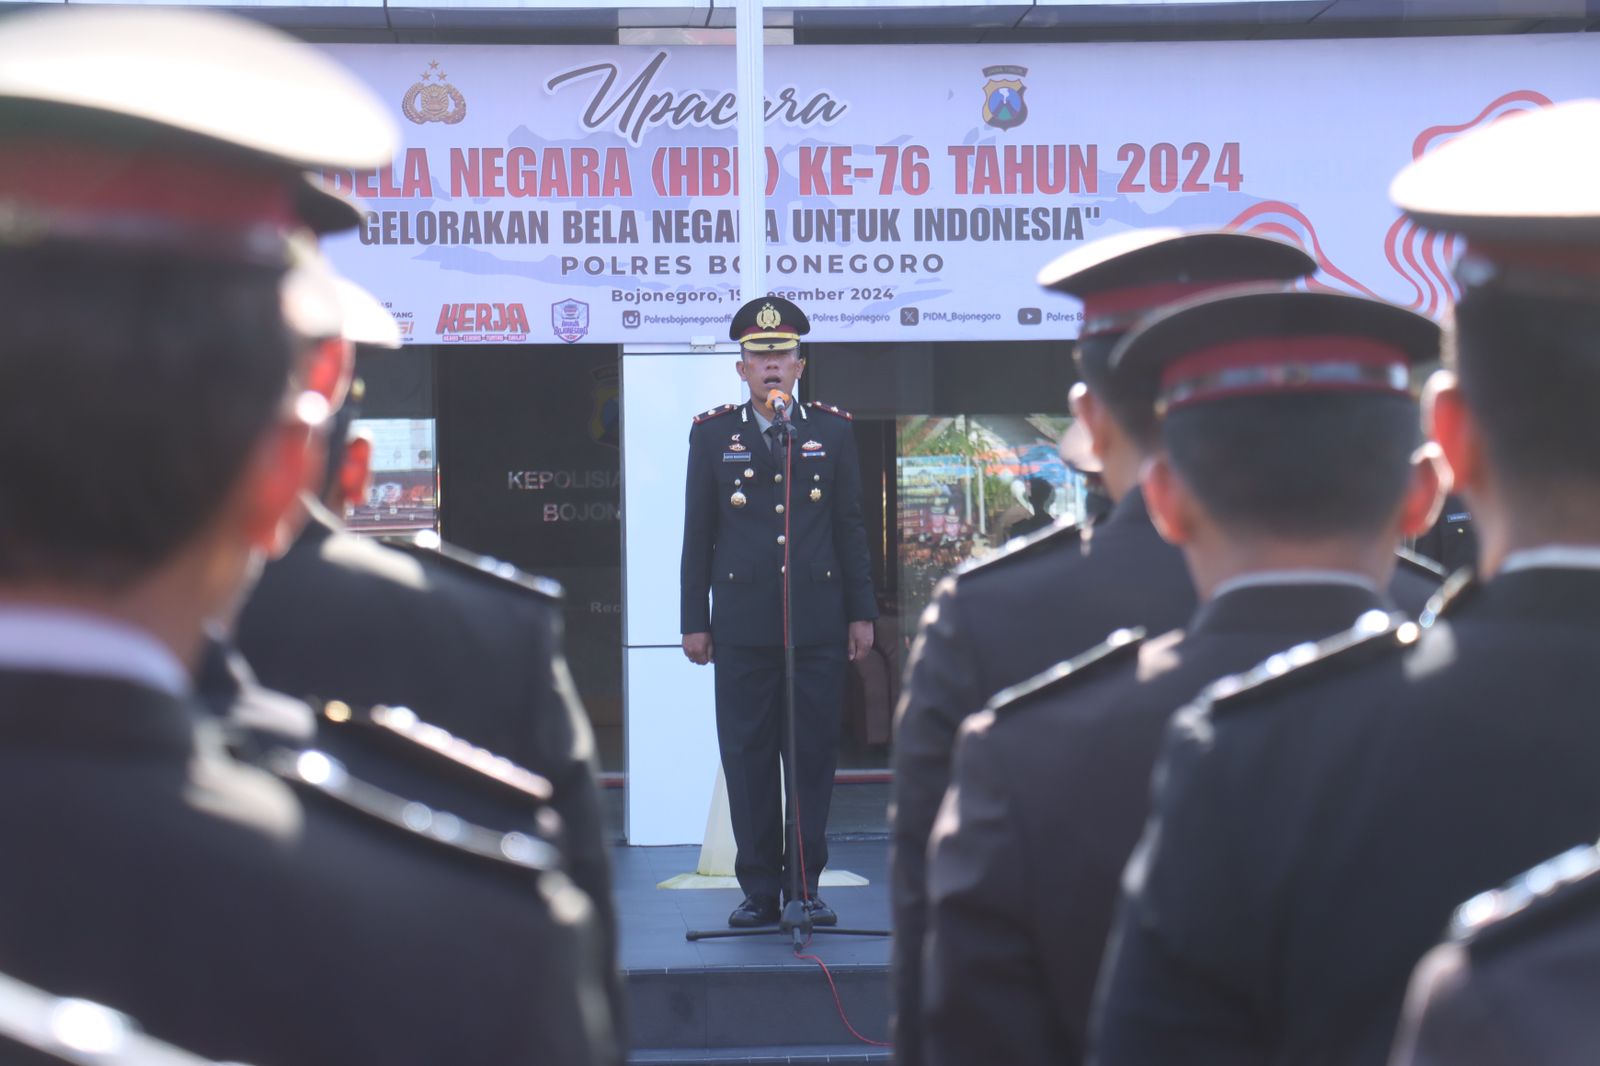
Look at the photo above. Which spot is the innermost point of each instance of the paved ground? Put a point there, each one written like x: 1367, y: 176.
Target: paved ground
x: 653, y: 921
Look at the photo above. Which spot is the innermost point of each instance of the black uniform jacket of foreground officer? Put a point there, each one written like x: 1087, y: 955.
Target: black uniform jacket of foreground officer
x: 996, y: 623
x: 1314, y: 830
x: 198, y: 889
x: 1516, y: 983
x: 737, y: 514
x: 341, y: 617
x: 1050, y: 790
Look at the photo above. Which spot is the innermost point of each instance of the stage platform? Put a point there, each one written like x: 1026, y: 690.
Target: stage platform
x: 750, y: 1000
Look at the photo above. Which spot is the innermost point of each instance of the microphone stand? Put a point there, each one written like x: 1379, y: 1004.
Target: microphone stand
x: 795, y: 919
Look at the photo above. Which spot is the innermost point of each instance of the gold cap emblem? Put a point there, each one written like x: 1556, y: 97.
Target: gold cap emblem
x: 768, y: 317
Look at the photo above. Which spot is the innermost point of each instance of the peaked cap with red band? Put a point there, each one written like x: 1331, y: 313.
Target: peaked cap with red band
x: 1269, y: 343
x: 1126, y: 276
x: 1522, y: 190
x: 182, y: 131
x: 769, y: 324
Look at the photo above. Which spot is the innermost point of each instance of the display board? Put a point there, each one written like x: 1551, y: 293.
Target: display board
x: 590, y: 194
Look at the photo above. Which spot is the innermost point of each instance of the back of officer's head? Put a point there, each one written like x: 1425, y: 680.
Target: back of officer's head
x: 1296, y: 467
x: 1286, y: 414
x: 145, y: 200
x: 1529, y: 370
x: 1522, y: 193
x: 132, y: 391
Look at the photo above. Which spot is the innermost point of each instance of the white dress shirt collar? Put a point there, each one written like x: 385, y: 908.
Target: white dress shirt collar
x: 63, y: 641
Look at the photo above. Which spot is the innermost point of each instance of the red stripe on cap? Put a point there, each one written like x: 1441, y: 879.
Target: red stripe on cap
x: 1556, y: 259
x: 1113, y: 310
x: 70, y: 178
x: 1293, y: 363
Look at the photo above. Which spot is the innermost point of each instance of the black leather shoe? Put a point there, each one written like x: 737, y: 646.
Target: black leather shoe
x: 820, y: 912
x: 755, y: 911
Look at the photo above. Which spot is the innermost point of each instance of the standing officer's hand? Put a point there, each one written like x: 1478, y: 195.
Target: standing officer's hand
x: 697, y: 646
x: 860, y: 641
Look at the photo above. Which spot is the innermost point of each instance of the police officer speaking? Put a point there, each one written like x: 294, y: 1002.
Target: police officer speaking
x: 744, y: 516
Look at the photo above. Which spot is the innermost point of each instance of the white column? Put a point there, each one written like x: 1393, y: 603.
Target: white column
x: 752, y: 149
x: 671, y: 735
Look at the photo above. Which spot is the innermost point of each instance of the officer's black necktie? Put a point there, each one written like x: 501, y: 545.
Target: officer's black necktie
x: 775, y: 439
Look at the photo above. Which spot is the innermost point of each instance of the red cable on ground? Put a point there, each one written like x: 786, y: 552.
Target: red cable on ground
x: 839, y: 1004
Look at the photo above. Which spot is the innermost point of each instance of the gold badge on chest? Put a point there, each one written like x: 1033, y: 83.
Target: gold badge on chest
x: 738, y: 498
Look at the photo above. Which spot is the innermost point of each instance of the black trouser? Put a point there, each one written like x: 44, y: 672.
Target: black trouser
x: 750, y: 734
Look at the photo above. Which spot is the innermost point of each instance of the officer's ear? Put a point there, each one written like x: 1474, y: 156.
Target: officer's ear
x: 1087, y: 408
x: 1450, y: 423
x: 266, y: 501
x: 1424, y: 498
x: 1172, y: 506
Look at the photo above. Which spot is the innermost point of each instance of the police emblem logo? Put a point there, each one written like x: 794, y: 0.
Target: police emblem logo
x: 570, y: 320
x: 768, y: 317
x: 428, y: 101
x: 1003, y: 105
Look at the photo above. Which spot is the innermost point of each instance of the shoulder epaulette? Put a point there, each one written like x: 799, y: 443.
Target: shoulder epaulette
x: 1457, y: 590
x: 1376, y: 632
x: 715, y: 412
x: 438, y: 745
x: 428, y: 545
x: 1498, y: 917
x: 1420, y: 563
x: 817, y: 405
x: 318, y: 772
x: 1064, y: 533
x: 1116, y: 647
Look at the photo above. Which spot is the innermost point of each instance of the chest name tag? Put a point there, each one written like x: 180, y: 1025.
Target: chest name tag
x: 735, y: 457
x: 813, y: 455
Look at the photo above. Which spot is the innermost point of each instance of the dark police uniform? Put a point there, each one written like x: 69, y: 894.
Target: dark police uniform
x: 1051, y: 782
x: 287, y: 913
x: 1515, y: 983
x: 471, y: 645
x: 1452, y: 542
x: 745, y: 504
x: 1316, y: 826
x: 1051, y: 595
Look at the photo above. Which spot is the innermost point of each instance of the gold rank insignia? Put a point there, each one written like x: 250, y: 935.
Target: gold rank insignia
x: 816, y: 494
x: 738, y: 498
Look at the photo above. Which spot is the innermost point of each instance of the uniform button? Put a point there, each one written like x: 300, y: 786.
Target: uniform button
x: 783, y: 569
x: 730, y: 575
x: 782, y: 539
x: 828, y: 574
x: 779, y: 508
x: 750, y: 472
x: 778, y: 478
x: 816, y: 477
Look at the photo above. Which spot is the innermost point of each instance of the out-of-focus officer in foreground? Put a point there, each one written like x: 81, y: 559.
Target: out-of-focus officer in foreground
x: 294, y: 914
x: 1286, y: 544
x: 468, y: 644
x: 1049, y: 596
x: 1317, y: 820
x: 741, y: 510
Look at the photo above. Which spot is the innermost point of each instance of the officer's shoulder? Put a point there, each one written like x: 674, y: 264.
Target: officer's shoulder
x: 1120, y: 646
x: 1375, y: 635
x: 318, y: 772
x: 715, y: 412
x: 1556, y: 890
x: 1062, y: 535
x: 1421, y: 565
x: 818, y: 405
x: 428, y: 547
x: 399, y: 732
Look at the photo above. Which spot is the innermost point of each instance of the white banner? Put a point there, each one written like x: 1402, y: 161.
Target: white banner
x: 589, y: 194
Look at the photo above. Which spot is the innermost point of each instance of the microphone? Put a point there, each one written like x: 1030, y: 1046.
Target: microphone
x: 779, y: 401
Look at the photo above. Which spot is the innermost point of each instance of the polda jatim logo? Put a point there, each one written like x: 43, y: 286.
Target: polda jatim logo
x: 433, y: 101
x: 1003, y: 105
